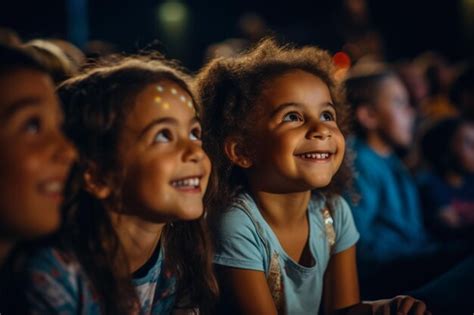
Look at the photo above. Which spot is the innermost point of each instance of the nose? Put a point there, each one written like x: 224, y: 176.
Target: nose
x: 318, y: 130
x: 65, y: 152
x: 193, y: 152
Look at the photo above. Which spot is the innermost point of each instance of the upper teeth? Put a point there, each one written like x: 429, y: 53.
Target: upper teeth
x: 315, y: 155
x: 193, y: 181
x: 53, y: 187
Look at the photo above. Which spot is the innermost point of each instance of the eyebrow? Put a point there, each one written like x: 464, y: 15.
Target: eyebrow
x: 19, y: 105
x: 284, y: 106
x: 164, y: 120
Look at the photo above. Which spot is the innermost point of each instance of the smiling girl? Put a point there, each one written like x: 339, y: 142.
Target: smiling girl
x: 134, y: 238
x: 274, y: 123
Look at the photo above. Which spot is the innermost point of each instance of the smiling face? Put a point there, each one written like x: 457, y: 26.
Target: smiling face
x: 35, y: 156
x: 297, y: 143
x: 166, y: 170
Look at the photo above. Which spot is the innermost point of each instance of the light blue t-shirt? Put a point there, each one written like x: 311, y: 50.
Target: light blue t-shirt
x: 59, y: 285
x: 246, y: 241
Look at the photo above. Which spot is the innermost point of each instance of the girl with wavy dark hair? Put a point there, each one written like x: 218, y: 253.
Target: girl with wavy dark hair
x: 134, y: 238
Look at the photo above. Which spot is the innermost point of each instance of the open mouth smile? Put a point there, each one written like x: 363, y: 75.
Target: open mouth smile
x: 52, y: 188
x: 315, y: 156
x: 188, y: 184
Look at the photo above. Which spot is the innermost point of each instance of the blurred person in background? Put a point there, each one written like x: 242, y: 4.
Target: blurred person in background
x: 394, y: 246
x: 53, y: 58
x: 34, y: 164
x: 447, y: 186
x: 9, y: 37
x: 462, y: 93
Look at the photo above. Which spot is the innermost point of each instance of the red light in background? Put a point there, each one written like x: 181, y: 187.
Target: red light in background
x: 342, y: 60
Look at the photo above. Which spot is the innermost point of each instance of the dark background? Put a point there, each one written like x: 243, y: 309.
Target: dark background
x: 407, y: 27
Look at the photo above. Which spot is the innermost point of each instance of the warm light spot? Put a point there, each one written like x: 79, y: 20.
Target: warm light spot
x: 342, y: 60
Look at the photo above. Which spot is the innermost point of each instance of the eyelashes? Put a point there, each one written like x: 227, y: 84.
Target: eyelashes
x: 163, y: 136
x: 292, y: 117
x: 327, y: 116
x: 166, y: 135
x: 195, y: 134
x: 298, y: 117
x: 32, y: 125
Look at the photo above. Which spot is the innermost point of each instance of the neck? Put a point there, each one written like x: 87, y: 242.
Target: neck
x: 138, y: 237
x: 282, y: 210
x: 5, y: 249
x: 377, y: 143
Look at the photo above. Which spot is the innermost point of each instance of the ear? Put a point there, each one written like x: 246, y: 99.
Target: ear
x: 96, y: 186
x: 367, y: 117
x: 234, y: 152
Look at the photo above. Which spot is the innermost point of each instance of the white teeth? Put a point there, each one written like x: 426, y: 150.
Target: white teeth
x: 53, y: 187
x: 188, y: 182
x: 315, y: 156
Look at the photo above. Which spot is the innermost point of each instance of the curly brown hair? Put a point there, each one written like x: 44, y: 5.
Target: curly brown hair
x: 96, y: 105
x: 229, y: 89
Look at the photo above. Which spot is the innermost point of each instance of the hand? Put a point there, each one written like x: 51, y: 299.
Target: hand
x: 399, y: 305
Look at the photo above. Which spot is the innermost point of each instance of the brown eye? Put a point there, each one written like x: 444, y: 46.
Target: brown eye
x: 32, y: 125
x: 327, y: 116
x: 292, y: 117
x: 195, y: 134
x: 163, y: 136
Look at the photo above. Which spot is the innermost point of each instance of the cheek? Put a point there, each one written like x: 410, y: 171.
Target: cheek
x: 21, y: 166
x: 155, y: 175
x: 206, y: 162
x: 398, y: 125
x: 341, y: 146
x: 283, y: 149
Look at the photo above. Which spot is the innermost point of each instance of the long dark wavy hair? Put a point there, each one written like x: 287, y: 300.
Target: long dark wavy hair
x: 96, y: 105
x: 229, y: 90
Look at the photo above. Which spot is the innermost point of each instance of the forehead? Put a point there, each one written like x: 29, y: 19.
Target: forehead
x: 163, y: 99
x: 25, y: 84
x: 295, y: 86
x: 392, y: 85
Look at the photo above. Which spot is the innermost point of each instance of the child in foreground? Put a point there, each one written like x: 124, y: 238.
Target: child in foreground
x: 134, y: 238
x: 274, y: 123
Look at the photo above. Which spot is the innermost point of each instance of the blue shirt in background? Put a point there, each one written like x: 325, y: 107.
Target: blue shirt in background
x: 388, y: 214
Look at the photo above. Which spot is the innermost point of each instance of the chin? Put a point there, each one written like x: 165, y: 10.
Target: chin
x: 319, y: 182
x: 190, y: 214
x: 44, y: 229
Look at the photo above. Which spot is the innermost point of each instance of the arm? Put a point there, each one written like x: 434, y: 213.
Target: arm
x: 245, y: 291
x: 341, y: 285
